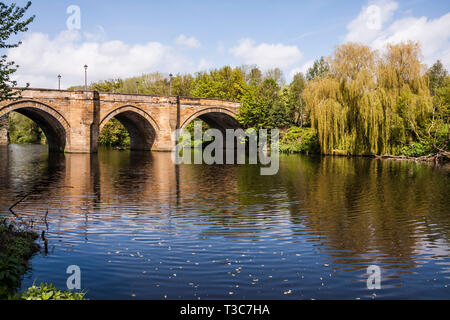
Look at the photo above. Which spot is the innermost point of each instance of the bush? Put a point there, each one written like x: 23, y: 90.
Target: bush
x: 16, y: 247
x: 300, y: 140
x: 49, y: 292
x: 416, y: 149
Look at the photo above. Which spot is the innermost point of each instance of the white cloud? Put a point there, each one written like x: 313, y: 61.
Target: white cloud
x: 41, y: 59
x: 370, y: 21
x: 191, y: 42
x: 204, y: 65
x: 266, y: 55
x: 433, y: 34
x: 98, y: 35
x: 303, y: 69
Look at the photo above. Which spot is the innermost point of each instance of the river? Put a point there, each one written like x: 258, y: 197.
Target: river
x: 140, y: 227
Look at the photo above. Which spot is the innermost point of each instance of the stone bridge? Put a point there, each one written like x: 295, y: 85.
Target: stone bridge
x: 72, y: 120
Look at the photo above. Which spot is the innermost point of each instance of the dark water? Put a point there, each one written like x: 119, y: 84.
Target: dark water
x: 141, y: 228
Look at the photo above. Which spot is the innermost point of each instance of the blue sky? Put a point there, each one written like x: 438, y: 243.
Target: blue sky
x: 125, y: 38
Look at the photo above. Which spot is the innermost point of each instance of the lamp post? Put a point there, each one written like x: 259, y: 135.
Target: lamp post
x: 59, y: 82
x: 170, y: 84
x: 85, y: 77
x: 137, y: 86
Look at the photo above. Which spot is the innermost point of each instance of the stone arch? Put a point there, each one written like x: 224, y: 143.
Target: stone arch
x: 55, y: 127
x: 143, y: 129
x: 215, y: 117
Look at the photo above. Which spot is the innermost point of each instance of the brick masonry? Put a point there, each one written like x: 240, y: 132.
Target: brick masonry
x: 72, y: 120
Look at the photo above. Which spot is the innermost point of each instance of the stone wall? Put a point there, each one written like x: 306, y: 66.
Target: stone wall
x: 4, y: 126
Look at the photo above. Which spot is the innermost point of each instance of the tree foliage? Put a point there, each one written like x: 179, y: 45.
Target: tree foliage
x: 359, y: 101
x: 114, y: 135
x: 23, y: 130
x: 225, y: 83
x: 370, y: 103
x: 11, y: 23
x: 319, y: 69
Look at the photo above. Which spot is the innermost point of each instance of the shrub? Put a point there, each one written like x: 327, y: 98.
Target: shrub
x: 49, y: 292
x: 300, y: 140
x: 416, y: 149
x: 16, y: 247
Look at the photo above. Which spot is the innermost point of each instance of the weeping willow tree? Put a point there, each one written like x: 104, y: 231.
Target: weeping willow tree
x: 369, y: 103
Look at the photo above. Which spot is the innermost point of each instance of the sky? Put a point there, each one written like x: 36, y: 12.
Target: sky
x: 129, y: 38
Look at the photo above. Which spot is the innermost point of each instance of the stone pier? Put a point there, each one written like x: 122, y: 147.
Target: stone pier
x: 4, y: 127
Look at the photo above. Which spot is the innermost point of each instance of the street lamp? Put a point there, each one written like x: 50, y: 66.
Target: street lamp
x: 137, y: 86
x: 170, y: 85
x: 85, y: 77
x: 59, y: 82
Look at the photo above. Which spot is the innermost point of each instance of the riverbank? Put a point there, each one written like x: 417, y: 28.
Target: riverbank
x: 17, y: 246
x: 304, y: 141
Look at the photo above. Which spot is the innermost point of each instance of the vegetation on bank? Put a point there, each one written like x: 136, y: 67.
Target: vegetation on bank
x: 16, y: 248
x: 300, y: 140
x: 49, y: 292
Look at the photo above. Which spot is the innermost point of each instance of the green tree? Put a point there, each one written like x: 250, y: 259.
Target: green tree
x: 23, y: 130
x: 114, y: 135
x: 277, y: 75
x: 295, y: 102
x: 225, y: 83
x: 112, y: 85
x: 182, y: 85
x: 370, y: 104
x: 11, y: 23
x: 252, y: 74
x: 319, y: 69
x: 437, y: 76
x: 437, y: 131
x: 262, y: 106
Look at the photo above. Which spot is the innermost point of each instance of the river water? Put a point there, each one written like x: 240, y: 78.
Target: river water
x: 140, y: 227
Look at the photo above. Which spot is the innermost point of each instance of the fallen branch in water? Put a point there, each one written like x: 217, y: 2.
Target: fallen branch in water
x: 17, y: 202
x: 28, y: 194
x: 437, y: 158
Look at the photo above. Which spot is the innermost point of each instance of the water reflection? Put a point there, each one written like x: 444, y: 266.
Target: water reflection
x: 227, y: 232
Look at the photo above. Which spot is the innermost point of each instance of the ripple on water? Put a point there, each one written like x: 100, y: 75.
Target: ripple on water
x: 141, y: 228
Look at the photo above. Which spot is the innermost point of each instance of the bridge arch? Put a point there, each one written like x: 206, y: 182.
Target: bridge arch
x: 215, y: 117
x: 142, y: 128
x: 55, y: 127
